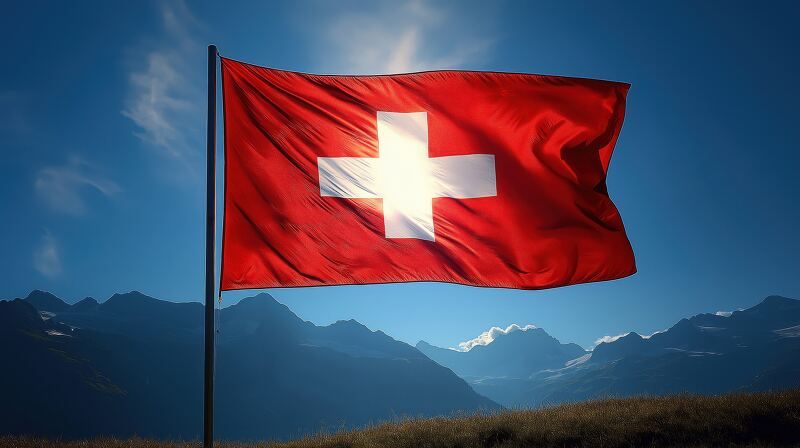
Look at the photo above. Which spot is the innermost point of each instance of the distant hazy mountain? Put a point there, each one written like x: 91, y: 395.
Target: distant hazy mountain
x: 133, y: 365
x: 750, y: 350
x: 516, y: 354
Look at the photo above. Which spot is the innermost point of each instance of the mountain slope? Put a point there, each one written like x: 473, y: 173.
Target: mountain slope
x: 342, y: 374
x: 134, y: 360
x: 49, y: 385
x: 515, y: 354
x: 751, y: 350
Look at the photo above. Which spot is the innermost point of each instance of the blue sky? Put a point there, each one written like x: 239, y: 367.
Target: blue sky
x: 102, y: 140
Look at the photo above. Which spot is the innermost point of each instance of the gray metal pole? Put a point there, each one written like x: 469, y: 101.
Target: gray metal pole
x: 211, y: 183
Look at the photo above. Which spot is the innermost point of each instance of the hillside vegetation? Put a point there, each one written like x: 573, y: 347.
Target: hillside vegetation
x: 761, y: 419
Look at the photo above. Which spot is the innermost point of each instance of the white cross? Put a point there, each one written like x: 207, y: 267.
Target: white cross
x: 405, y: 177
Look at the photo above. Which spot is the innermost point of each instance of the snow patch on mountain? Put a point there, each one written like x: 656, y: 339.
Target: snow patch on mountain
x: 610, y: 339
x: 578, y: 361
x: 493, y: 333
x: 790, y: 332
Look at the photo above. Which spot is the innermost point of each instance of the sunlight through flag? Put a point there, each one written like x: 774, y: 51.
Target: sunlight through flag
x: 405, y: 178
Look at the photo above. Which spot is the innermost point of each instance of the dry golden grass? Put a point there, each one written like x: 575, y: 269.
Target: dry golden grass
x: 763, y: 419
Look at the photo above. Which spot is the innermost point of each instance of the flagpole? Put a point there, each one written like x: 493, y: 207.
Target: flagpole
x: 211, y: 183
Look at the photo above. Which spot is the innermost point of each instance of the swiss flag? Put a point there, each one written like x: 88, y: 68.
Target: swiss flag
x: 486, y: 179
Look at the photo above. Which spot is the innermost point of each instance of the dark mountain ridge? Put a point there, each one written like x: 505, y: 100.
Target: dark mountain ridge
x: 133, y: 365
x: 45, y: 301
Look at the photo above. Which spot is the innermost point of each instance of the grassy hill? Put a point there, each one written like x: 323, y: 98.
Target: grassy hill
x: 762, y: 419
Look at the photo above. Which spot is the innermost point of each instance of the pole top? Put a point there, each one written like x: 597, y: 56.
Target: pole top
x: 212, y: 49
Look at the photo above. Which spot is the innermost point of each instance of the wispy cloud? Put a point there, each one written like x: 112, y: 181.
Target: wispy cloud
x: 487, y: 337
x: 162, y: 98
x: 62, y: 188
x: 401, y: 37
x: 46, y: 257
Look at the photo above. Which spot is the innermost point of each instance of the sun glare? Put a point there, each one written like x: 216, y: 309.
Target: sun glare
x: 405, y: 176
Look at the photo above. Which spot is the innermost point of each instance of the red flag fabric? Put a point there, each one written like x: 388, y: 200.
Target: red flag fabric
x: 485, y: 179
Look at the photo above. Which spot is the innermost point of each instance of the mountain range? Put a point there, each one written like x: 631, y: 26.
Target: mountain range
x: 132, y: 365
x: 748, y: 350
